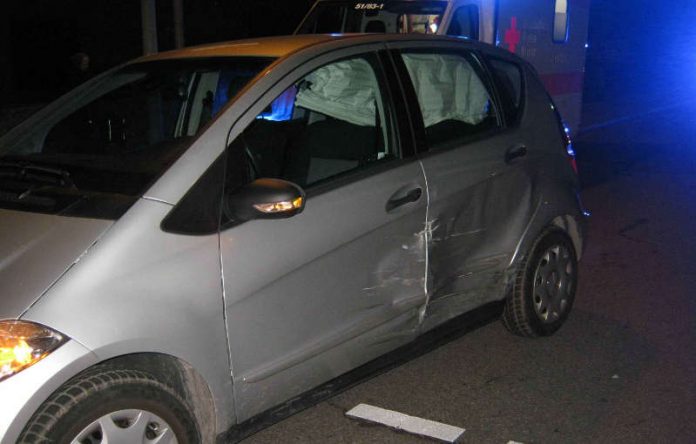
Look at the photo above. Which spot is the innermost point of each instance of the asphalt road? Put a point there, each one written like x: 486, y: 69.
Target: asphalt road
x: 623, y: 368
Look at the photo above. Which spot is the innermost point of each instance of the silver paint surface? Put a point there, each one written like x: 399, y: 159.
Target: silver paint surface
x: 141, y: 290
x: 307, y: 298
x: 36, y: 250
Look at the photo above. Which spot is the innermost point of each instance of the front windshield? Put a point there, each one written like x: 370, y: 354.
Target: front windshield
x: 113, y: 137
x: 391, y: 17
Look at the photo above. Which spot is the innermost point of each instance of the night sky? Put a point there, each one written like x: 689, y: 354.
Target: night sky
x: 636, y: 46
x: 38, y: 37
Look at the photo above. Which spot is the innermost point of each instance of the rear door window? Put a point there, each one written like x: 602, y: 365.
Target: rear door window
x: 454, y: 102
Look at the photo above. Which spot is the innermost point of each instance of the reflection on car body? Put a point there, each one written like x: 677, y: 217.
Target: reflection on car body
x: 205, y: 234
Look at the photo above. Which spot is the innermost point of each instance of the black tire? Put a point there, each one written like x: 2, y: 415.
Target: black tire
x: 99, y: 392
x: 535, y: 282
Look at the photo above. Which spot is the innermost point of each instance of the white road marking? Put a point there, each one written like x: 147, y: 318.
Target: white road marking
x: 406, y: 423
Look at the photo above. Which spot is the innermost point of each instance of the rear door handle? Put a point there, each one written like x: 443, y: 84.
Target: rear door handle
x: 411, y: 196
x: 514, y: 152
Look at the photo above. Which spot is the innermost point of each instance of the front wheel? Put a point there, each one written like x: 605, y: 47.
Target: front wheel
x: 544, y: 289
x: 113, y: 406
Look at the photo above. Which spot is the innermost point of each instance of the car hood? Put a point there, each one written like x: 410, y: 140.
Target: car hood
x: 35, y: 250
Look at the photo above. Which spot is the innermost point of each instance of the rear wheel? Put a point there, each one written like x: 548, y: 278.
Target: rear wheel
x: 544, y: 289
x: 113, y: 406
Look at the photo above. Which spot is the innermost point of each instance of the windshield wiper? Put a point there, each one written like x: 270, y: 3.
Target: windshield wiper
x: 37, y: 174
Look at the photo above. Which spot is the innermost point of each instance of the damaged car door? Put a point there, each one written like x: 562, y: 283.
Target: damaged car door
x: 480, y: 192
x: 315, y: 295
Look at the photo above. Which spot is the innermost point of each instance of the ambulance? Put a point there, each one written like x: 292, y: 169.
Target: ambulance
x: 550, y: 34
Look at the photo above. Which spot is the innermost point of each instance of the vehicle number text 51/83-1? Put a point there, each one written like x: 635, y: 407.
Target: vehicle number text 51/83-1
x: 370, y: 6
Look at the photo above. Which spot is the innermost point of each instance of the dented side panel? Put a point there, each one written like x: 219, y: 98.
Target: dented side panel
x: 486, y: 212
x: 345, y: 287
x: 479, y: 208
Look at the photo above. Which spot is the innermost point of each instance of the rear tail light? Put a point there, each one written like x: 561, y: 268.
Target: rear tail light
x: 569, y: 149
x: 570, y: 152
x: 571, y: 159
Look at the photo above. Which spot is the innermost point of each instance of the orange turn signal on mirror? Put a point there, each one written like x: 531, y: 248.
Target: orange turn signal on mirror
x: 279, y: 207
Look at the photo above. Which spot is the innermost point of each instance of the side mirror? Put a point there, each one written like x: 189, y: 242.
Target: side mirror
x: 266, y: 199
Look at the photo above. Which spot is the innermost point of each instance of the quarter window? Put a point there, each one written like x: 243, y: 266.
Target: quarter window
x: 508, y: 77
x: 454, y: 102
x: 331, y: 122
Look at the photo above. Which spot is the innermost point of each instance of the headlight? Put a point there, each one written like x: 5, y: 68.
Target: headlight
x: 23, y: 344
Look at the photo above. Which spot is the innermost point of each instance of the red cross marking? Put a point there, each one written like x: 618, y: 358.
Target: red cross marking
x: 513, y: 35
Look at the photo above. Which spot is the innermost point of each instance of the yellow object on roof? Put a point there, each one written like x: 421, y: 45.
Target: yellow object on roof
x: 262, y: 47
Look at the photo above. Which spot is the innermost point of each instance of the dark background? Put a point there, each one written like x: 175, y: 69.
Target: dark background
x: 38, y: 37
x: 637, y: 47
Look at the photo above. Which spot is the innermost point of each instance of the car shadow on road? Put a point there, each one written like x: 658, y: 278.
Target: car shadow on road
x: 601, y: 162
x: 444, y: 334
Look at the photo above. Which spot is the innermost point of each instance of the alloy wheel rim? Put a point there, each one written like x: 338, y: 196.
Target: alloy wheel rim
x: 553, y: 284
x: 127, y: 427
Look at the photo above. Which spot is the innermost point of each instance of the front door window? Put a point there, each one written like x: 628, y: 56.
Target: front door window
x: 330, y: 123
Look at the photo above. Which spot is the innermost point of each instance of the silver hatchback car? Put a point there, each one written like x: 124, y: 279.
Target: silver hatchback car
x: 197, y: 237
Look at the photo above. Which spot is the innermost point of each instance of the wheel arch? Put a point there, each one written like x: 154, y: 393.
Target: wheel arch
x: 570, y: 226
x: 573, y: 223
x: 181, y: 376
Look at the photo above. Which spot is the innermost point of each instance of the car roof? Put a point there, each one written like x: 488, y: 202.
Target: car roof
x: 261, y: 47
x: 279, y: 47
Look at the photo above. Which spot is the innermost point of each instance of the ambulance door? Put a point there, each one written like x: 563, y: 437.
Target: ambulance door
x: 552, y: 36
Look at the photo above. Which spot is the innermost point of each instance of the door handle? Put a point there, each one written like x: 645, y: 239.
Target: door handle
x: 412, y: 196
x: 514, y: 152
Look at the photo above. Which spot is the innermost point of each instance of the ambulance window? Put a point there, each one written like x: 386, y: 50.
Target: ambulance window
x: 560, y: 22
x: 465, y: 22
x: 508, y: 77
x: 328, y: 20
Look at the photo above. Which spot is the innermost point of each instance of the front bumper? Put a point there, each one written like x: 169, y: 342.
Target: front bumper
x: 22, y: 394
